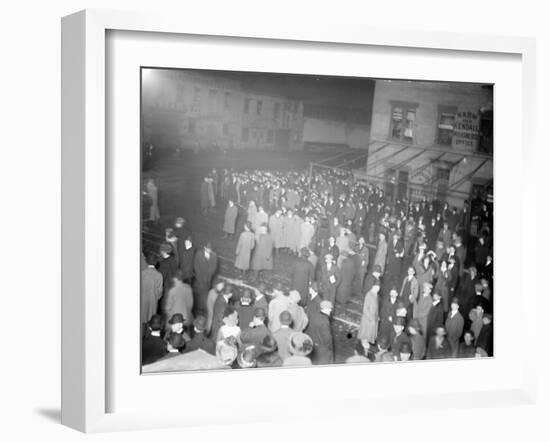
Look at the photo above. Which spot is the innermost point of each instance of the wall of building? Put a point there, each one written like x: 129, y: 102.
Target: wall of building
x: 194, y: 110
x: 337, y: 133
x: 431, y: 169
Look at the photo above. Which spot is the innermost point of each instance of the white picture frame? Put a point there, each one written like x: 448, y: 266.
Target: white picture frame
x: 85, y: 214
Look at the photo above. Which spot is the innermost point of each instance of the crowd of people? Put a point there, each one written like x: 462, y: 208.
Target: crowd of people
x: 422, y: 271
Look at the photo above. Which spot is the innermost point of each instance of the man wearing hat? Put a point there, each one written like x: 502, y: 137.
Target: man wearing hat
x: 206, y: 267
x: 320, y: 331
x: 422, y: 307
x: 396, y: 253
x: 373, y: 277
x: 179, y: 299
x: 175, y: 344
x: 439, y: 347
x: 245, y: 309
x: 257, y: 331
x: 301, y: 275
x: 454, y: 326
x: 268, y: 355
x: 368, y: 328
x: 436, y: 315
x: 418, y: 342
x: 330, y: 279
x: 199, y: 339
x: 152, y: 346
x: 151, y: 289
x: 221, y: 303
x: 399, y: 336
x: 227, y: 351
x: 247, y: 357
x: 282, y: 335
x: 409, y: 291
x: 278, y: 304
x: 300, y: 346
x: 314, y: 299
x: 405, y: 352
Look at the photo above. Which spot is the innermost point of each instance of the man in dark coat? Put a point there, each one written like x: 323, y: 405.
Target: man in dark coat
x: 168, y: 265
x: 205, y: 267
x: 438, y: 347
x: 245, y: 309
x: 301, y: 275
x: 347, y: 276
x: 485, y: 338
x: 222, y: 302
x: 199, y: 339
x: 436, y: 316
x: 319, y: 330
x: 262, y: 258
x: 396, y: 252
x: 373, y: 278
x: 467, y: 289
x: 257, y: 331
x: 313, y: 302
x: 152, y: 346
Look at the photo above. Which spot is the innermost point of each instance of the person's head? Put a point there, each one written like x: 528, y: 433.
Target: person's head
x: 175, y: 342
x: 176, y: 322
x: 294, y: 297
x: 443, y: 266
x: 259, y: 315
x: 436, y: 297
x: 405, y: 351
x: 377, y: 270
x: 382, y: 342
x: 199, y: 324
x: 165, y: 250
x: 246, y: 297
x: 285, y: 318
x: 151, y: 259
x: 393, y: 294
x: 473, y: 271
x: 208, y: 248
x: 382, y: 236
x: 455, y: 305
x: 227, y: 291
x: 313, y: 288
x: 300, y: 344
x: 332, y: 241
x: 376, y: 287
x: 188, y: 242
x: 231, y: 203
x: 329, y: 258
x: 399, y: 325
x: 410, y: 271
x: 440, y: 332
x: 487, y: 318
x: 155, y: 323
x: 179, y: 222
x: 326, y: 307
x: 219, y: 285
x: 468, y: 337
x: 484, y: 283
x: 427, y: 287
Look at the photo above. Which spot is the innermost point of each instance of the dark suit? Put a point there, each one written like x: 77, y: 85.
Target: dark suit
x: 152, y: 349
x: 436, y: 318
x: 320, y: 332
x: 200, y: 341
x: 301, y: 275
x: 395, y: 259
x: 205, y: 269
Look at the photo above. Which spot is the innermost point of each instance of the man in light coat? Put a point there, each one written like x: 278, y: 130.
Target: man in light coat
x: 454, y: 326
x: 151, y: 289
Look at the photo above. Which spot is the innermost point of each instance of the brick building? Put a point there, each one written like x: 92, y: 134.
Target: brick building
x: 195, y: 110
x: 432, y: 139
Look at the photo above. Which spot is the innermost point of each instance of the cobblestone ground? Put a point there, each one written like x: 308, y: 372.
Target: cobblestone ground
x: 178, y: 181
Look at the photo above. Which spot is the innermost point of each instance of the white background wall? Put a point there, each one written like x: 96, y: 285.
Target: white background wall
x: 30, y: 156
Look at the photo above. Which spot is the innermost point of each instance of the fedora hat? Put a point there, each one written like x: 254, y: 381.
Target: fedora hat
x: 300, y: 344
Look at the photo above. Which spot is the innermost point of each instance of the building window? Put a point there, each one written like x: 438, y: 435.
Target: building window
x: 259, y: 107
x: 402, y: 121
x: 270, y: 136
x: 246, y: 105
x: 246, y: 134
x: 226, y: 100
x: 276, y: 110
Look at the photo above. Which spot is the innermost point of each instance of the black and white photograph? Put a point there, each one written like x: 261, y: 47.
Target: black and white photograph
x: 302, y: 220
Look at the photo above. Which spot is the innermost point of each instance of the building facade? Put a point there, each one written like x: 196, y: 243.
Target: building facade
x: 431, y: 139
x: 196, y: 110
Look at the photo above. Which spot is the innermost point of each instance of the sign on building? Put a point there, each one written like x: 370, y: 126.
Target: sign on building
x: 466, y: 131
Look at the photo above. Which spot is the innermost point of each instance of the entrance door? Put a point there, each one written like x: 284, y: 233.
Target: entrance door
x: 402, y: 184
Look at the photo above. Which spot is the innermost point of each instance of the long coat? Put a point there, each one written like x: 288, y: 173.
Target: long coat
x: 454, y: 326
x: 277, y: 305
x: 329, y: 282
x: 421, y: 310
x: 369, y: 321
x: 295, y: 233
x: 187, y: 262
x: 409, y: 292
x: 436, y: 318
x: 361, y: 263
x: 287, y: 238
x: 395, y: 258
x: 217, y: 315
x: 306, y: 235
x: 347, y: 276
x: 179, y: 299
x: 205, y: 269
x: 262, y: 258
x: 301, y: 275
x: 380, y: 257
x: 151, y: 292
x: 388, y: 313
x: 244, y: 250
x: 230, y: 219
x: 321, y: 334
x: 276, y: 230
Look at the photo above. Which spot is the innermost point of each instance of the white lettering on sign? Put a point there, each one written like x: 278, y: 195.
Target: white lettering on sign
x: 466, y: 132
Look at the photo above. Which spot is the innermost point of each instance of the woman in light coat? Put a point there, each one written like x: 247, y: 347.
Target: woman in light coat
x: 244, y: 249
x: 381, y: 253
x: 369, y: 321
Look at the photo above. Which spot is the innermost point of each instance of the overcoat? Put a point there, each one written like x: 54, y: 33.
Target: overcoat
x: 320, y: 332
x: 329, y: 281
x: 347, y: 276
x: 395, y: 258
x: 217, y: 315
x: 380, y: 257
x: 151, y: 292
x: 245, y: 245
x: 230, y: 219
x: 369, y: 321
x: 436, y: 318
x: 301, y: 275
x: 454, y: 326
x: 276, y: 229
x: 262, y: 258
x: 421, y: 310
x: 179, y: 299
